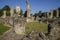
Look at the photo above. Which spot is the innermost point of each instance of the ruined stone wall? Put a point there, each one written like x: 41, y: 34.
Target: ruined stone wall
x: 34, y: 35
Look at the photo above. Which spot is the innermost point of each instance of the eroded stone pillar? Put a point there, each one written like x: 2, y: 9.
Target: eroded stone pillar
x: 51, y: 13
x: 12, y: 11
x: 28, y: 8
x: 57, y: 13
x: 19, y: 26
x: 18, y: 10
x: 47, y: 14
x: 4, y: 15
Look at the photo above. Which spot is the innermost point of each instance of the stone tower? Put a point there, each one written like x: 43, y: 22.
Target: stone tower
x: 28, y: 8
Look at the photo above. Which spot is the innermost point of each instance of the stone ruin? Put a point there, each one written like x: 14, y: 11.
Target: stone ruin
x: 17, y: 25
x: 52, y: 34
x: 55, y: 31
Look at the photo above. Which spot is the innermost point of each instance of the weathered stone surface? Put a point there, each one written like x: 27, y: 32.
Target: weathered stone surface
x: 4, y: 16
x: 19, y: 29
x: 11, y: 36
x: 34, y: 35
x: 54, y: 33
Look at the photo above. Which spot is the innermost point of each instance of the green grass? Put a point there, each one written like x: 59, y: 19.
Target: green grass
x: 54, y: 19
x: 58, y: 38
x: 3, y: 28
x: 36, y: 26
x: 29, y: 27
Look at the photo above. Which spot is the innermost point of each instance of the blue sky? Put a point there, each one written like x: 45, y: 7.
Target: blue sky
x: 36, y: 5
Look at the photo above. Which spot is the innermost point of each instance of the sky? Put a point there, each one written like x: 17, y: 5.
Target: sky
x: 36, y: 5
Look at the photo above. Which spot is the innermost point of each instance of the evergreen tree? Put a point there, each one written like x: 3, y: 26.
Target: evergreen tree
x: 21, y: 12
x: 25, y: 14
x: 7, y: 9
x: 1, y: 12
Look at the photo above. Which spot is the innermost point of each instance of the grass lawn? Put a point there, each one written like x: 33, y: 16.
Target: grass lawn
x: 54, y: 19
x: 36, y: 26
x: 58, y: 38
x: 3, y: 28
x: 29, y: 27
